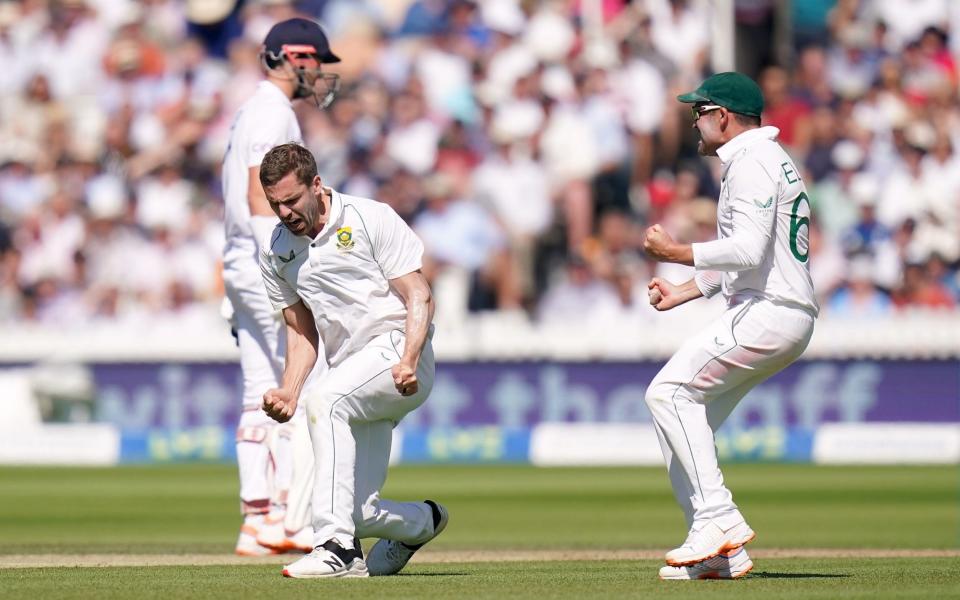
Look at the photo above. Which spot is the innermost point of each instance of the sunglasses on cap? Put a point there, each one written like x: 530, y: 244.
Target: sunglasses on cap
x: 702, y: 109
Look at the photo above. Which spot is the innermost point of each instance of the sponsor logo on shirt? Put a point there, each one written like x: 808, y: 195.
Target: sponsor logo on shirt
x: 287, y: 259
x: 764, y: 208
x: 763, y: 205
x: 345, y: 239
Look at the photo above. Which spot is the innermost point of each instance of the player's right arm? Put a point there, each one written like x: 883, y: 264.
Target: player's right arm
x: 302, y: 337
x: 302, y: 343
x: 753, y: 208
x: 665, y: 295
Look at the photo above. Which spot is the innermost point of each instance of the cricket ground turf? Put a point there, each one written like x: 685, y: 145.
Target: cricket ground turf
x: 515, y: 531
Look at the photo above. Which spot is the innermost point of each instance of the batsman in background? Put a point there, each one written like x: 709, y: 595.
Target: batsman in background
x: 760, y: 264
x: 291, y: 58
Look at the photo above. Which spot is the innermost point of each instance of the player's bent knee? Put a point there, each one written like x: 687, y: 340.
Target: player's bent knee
x: 657, y: 395
x: 366, y: 517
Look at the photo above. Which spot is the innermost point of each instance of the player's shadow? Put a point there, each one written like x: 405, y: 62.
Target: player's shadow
x: 769, y: 575
x: 440, y: 574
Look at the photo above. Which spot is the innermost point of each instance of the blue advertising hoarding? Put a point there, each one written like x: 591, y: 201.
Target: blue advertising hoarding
x: 518, y: 395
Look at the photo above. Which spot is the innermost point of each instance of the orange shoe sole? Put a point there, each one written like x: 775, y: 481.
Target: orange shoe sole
x: 725, y: 548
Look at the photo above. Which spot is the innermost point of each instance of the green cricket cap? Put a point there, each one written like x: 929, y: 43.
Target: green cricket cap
x: 734, y: 91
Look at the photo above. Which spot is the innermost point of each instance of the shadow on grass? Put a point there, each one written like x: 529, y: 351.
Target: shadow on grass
x: 767, y: 575
x: 441, y: 574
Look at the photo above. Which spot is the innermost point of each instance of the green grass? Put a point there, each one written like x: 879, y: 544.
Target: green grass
x: 193, y: 509
x: 775, y: 578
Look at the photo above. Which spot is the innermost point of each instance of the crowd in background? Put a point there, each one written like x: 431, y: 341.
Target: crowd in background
x: 528, y: 142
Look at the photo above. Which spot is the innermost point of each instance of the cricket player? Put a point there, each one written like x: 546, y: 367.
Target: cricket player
x: 346, y: 270
x: 292, y: 55
x: 760, y: 264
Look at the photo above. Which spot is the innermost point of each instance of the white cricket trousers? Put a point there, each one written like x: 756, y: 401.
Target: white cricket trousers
x: 696, y: 390
x: 259, y: 337
x: 351, y: 415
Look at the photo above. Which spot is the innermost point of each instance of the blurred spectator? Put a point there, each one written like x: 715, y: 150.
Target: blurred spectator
x: 859, y: 297
x: 412, y: 140
x: 939, y: 272
x: 905, y: 20
x: 681, y: 33
x: 784, y: 111
x: 580, y: 296
x: 460, y: 234
x: 513, y: 134
x: 922, y: 288
x: 820, y: 160
x: 866, y: 234
x: 828, y: 265
x: 835, y: 201
x: 515, y: 188
x: 940, y: 223
x: 905, y: 193
x: 853, y: 64
x: 163, y: 200
x: 614, y: 256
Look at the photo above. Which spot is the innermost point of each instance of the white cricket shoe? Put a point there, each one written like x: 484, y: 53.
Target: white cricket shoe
x: 247, y: 541
x: 731, y: 564
x: 270, y: 534
x: 301, y: 541
x: 274, y: 535
x: 709, y: 541
x: 328, y: 560
x: 387, y: 557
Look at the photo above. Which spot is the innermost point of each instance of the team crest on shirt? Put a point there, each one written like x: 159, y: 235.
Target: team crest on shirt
x: 344, y: 239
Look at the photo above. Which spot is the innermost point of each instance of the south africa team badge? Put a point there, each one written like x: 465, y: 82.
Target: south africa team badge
x: 344, y: 239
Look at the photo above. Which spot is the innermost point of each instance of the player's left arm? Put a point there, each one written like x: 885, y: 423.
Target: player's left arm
x: 415, y: 292
x: 665, y: 295
x: 399, y: 253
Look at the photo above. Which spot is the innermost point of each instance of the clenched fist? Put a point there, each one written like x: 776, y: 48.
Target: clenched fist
x: 657, y: 242
x: 279, y: 404
x: 405, y: 379
x: 663, y: 294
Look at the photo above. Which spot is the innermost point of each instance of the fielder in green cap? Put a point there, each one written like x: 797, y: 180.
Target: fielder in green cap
x: 759, y: 262
x: 733, y: 94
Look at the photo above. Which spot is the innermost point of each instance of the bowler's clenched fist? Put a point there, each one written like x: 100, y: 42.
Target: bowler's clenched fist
x: 405, y: 379
x: 657, y: 242
x: 279, y: 404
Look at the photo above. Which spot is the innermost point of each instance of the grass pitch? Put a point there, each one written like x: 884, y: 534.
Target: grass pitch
x: 611, y: 524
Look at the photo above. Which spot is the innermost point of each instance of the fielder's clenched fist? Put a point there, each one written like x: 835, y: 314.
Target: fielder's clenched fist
x: 279, y: 404
x: 657, y: 242
x: 405, y: 379
x: 663, y: 294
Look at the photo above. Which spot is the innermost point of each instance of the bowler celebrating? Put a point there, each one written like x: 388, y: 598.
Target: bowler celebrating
x: 347, y: 269
x: 760, y: 264
x: 292, y: 54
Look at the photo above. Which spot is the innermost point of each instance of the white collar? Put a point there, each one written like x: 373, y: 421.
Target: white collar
x: 727, y: 151
x: 336, y: 208
x: 268, y: 87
